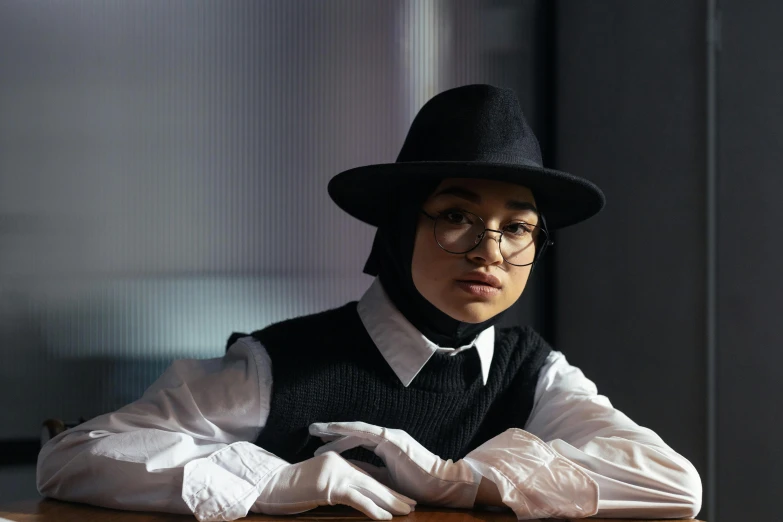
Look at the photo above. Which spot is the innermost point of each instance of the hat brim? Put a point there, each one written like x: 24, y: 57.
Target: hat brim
x: 369, y: 192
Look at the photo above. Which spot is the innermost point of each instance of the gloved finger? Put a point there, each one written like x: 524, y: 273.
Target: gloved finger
x: 344, y: 444
x: 386, y: 443
x: 359, y: 429
x: 387, y: 494
x: 379, y: 474
x: 329, y: 438
x: 384, y: 497
x: 363, y: 503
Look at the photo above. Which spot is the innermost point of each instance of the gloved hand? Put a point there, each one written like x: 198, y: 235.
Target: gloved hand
x: 326, y: 480
x: 411, y: 468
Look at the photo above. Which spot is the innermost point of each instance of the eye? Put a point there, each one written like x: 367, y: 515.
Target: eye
x: 455, y: 217
x: 519, y: 229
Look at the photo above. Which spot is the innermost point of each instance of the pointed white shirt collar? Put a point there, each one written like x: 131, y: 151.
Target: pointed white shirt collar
x: 405, y: 348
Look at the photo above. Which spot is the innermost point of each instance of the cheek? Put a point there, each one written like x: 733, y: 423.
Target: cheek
x: 519, y: 281
x: 427, y: 266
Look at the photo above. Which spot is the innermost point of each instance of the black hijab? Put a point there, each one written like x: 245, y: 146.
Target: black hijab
x: 390, y: 259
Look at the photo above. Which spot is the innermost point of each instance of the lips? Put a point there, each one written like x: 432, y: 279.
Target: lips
x: 481, y: 278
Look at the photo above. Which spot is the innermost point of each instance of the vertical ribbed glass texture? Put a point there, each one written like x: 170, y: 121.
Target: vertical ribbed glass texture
x: 163, y: 171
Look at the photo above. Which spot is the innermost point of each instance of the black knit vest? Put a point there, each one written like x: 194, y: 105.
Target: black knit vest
x: 326, y: 368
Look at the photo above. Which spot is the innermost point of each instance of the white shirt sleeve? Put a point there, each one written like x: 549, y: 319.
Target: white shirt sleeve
x: 637, y: 474
x: 185, y: 446
x: 578, y: 457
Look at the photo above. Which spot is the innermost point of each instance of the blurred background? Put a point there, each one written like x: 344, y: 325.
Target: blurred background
x: 163, y: 172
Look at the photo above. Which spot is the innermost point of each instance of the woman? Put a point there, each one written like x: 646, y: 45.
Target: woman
x: 454, y: 411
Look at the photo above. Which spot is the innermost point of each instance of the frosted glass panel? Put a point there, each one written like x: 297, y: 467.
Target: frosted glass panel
x: 163, y: 171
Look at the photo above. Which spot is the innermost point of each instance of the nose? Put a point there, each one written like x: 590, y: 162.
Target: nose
x: 488, y: 250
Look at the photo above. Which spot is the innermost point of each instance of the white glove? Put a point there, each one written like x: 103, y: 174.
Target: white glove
x: 412, y: 469
x: 327, y: 480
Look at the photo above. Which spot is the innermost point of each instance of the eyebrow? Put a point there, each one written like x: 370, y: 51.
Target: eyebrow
x: 475, y: 198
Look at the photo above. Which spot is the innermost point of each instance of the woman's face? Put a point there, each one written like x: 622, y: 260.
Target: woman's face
x: 452, y: 282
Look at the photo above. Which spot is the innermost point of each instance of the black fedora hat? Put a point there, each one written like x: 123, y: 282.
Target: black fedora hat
x: 474, y: 131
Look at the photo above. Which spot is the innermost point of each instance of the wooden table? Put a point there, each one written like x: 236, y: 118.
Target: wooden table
x: 55, y: 511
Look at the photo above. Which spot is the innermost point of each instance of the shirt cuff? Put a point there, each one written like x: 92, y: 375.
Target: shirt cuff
x: 225, y: 485
x: 532, y: 479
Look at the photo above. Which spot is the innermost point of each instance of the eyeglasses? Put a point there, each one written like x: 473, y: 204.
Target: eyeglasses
x: 458, y: 231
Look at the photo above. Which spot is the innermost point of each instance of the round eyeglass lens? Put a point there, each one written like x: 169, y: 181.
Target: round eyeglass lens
x: 459, y: 232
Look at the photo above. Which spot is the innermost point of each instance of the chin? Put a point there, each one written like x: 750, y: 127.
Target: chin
x: 473, y: 313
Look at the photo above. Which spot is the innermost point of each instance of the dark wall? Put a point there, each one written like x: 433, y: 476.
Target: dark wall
x: 630, y: 284
x: 750, y: 258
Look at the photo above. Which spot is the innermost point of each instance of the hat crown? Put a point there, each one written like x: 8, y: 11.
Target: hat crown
x: 478, y: 122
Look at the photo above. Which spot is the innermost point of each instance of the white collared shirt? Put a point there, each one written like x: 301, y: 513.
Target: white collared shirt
x: 402, y: 345
x: 135, y: 458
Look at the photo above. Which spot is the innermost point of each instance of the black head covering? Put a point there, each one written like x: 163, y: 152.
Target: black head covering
x: 473, y: 131
x: 390, y: 259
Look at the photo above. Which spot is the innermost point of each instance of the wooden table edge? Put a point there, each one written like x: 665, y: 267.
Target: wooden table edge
x: 41, y: 509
